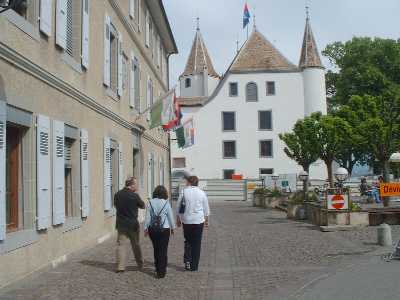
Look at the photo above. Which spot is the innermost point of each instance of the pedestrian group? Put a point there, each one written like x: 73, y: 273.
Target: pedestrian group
x: 192, y: 214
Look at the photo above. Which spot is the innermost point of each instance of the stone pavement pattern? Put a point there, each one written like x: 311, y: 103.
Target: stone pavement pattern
x: 248, y: 253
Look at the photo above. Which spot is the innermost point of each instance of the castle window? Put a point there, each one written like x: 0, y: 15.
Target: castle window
x: 188, y: 82
x: 251, y: 92
x: 270, y: 85
x: 233, y: 89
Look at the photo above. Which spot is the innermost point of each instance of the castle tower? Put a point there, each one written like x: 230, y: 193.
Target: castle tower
x: 313, y: 74
x: 199, y: 78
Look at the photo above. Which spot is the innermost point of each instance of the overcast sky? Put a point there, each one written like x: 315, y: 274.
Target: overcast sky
x: 281, y: 21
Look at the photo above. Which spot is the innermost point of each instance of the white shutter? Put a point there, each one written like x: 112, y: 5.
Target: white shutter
x: 107, y: 50
x: 132, y: 8
x: 85, y: 173
x: 61, y: 23
x: 43, y: 171
x: 107, y: 174
x: 147, y: 29
x: 149, y: 168
x: 58, y: 173
x: 85, y: 33
x: 46, y: 16
x: 3, y: 112
x: 132, y: 82
x: 120, y: 73
x: 148, y: 96
x: 121, y: 179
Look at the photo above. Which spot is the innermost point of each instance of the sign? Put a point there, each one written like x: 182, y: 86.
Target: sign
x: 338, y: 202
x: 390, y: 189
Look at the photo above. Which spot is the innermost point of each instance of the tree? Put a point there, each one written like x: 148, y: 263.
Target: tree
x: 300, y: 144
x: 332, y: 134
x: 370, y: 69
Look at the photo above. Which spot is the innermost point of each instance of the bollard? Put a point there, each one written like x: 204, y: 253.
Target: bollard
x: 384, y: 235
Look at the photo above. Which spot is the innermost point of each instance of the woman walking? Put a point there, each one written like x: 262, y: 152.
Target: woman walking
x: 193, y: 212
x: 159, y: 225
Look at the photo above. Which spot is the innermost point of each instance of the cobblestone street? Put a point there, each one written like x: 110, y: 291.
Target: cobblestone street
x: 248, y: 253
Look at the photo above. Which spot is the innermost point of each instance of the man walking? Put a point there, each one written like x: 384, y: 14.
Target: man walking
x: 127, y: 202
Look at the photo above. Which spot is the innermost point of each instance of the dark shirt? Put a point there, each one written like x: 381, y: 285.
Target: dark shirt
x: 127, y: 203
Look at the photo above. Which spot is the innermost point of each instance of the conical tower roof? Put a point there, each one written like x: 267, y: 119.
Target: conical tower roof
x: 199, y: 58
x: 309, y: 53
x: 258, y: 54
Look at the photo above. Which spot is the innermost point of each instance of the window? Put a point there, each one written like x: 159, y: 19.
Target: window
x: 69, y: 204
x: 251, y: 92
x: 188, y: 82
x: 14, y: 166
x: 74, y: 31
x: 124, y: 72
x: 233, y: 89
x: 270, y: 88
x: 228, y: 173
x: 265, y: 120
x: 21, y: 8
x: 266, y: 171
x: 228, y: 121
x: 149, y: 92
x: 114, y: 168
x: 114, y: 58
x: 229, y: 149
x: 179, y: 162
x: 266, y: 148
x: 136, y: 83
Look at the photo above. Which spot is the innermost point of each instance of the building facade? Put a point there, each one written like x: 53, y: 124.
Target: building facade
x: 76, y: 79
x: 238, y: 120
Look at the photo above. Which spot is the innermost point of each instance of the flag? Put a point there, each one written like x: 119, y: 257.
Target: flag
x: 177, y: 119
x: 163, y: 111
x: 185, y: 134
x: 246, y: 16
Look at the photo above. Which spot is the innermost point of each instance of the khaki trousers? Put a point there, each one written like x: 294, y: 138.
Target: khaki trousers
x: 124, y: 238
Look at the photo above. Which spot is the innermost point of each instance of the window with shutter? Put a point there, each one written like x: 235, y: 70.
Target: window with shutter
x: 74, y: 28
x: 85, y: 33
x: 149, y: 92
x: 113, y: 59
x: 107, y: 174
x: 251, y: 92
x: 233, y: 89
x: 85, y: 173
x: 120, y: 67
x: 68, y: 177
x: 43, y: 168
x: 107, y: 51
x: 46, y: 16
x: 58, y: 173
x: 136, y: 71
x: 265, y: 120
x: 121, y: 178
x: 266, y: 148
x: 147, y: 32
x: 26, y: 9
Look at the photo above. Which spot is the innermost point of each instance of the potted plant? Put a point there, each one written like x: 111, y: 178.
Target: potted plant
x: 273, y: 198
x: 296, y: 209
x: 259, y: 196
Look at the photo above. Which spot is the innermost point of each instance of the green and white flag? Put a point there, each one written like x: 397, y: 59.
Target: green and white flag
x: 185, y: 134
x: 163, y: 111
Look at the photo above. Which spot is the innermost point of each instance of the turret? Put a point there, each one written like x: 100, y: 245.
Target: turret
x: 313, y: 74
x: 199, y: 78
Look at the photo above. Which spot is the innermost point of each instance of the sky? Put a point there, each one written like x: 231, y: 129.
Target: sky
x: 281, y: 21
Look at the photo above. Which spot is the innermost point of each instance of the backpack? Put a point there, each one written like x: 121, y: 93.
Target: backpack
x: 156, y: 223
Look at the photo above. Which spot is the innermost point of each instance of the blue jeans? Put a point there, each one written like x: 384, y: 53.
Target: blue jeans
x: 375, y: 194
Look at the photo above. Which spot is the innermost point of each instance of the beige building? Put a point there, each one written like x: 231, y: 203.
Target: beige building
x: 76, y: 78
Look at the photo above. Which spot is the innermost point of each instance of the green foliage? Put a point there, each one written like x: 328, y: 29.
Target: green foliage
x: 262, y: 191
x: 300, y: 144
x: 298, y: 197
x: 275, y: 193
x: 355, y: 207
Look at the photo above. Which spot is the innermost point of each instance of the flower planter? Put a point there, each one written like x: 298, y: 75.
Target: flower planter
x: 258, y: 200
x: 274, y: 202
x: 296, y: 212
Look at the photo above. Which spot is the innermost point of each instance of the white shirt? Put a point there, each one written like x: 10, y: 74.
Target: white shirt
x: 196, y: 205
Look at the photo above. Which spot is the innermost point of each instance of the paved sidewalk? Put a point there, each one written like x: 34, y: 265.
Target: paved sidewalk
x: 248, y: 253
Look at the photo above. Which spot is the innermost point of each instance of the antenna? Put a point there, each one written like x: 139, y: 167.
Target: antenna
x: 308, y: 9
x: 198, y: 23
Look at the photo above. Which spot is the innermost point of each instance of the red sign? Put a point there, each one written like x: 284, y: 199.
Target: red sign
x: 337, y: 201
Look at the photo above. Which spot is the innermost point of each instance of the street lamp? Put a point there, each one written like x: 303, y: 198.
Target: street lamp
x: 341, y: 175
x: 395, y: 159
x: 303, y: 176
x: 275, y: 177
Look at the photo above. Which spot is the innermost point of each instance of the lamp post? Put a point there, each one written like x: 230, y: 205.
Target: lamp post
x: 395, y: 159
x: 341, y: 175
x: 275, y: 177
x: 303, y: 176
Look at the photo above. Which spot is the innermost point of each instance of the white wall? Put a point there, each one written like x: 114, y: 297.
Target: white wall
x: 212, y: 84
x: 314, y: 91
x: 197, y: 86
x: 205, y: 157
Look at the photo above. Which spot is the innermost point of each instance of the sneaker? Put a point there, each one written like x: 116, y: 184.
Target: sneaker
x: 187, y: 266
x: 119, y: 271
x: 160, y: 275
